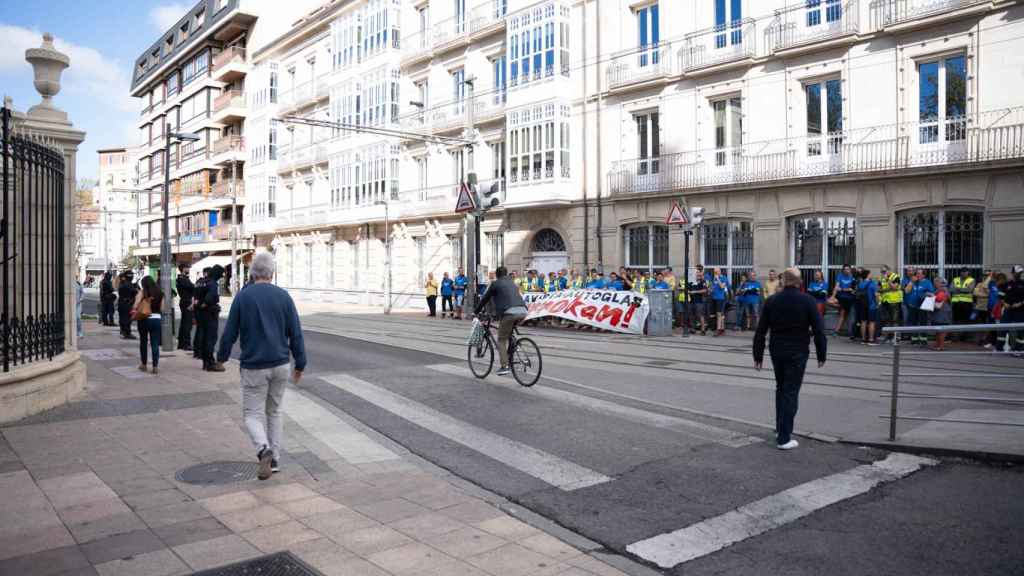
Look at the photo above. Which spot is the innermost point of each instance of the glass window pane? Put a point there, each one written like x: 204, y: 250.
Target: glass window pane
x: 716, y: 244
x: 813, y: 109
x: 834, y: 102
x: 921, y: 239
x: 956, y: 87
x: 743, y: 244
x: 807, y: 242
x: 842, y: 241
x: 963, y: 234
x: 660, y: 246
x: 928, y: 97
x: 638, y: 249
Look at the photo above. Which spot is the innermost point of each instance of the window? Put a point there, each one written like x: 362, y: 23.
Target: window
x: 421, y: 259
x: 500, y: 81
x: 199, y: 20
x: 459, y: 90
x: 647, y: 21
x: 498, y: 161
x: 833, y: 11
x: 496, y: 240
x: 647, y: 246
x: 196, y: 67
x: 825, y: 243
x: 728, y: 25
x: 535, y: 38
x: 456, y: 245
x: 290, y: 258
x: 648, y: 136
x: 942, y: 241
x: 272, y: 140
x: 422, y: 178
x: 309, y: 264
x: 538, y: 136
x: 172, y: 85
x: 728, y: 130
x: 460, y: 16
x: 354, y: 248
x: 183, y: 33
x: 824, y: 117
x: 729, y: 246
x: 942, y: 99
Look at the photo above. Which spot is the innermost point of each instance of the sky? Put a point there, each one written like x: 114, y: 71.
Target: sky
x: 103, y: 38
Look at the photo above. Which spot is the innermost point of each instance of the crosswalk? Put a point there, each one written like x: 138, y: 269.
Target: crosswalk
x: 351, y: 444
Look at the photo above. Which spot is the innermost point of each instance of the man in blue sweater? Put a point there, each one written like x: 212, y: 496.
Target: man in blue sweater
x: 265, y: 318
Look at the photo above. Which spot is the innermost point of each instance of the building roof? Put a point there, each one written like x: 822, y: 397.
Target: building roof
x: 111, y: 150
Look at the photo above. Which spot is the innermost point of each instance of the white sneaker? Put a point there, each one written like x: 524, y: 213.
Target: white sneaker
x: 989, y: 346
x: 788, y: 445
x: 503, y: 372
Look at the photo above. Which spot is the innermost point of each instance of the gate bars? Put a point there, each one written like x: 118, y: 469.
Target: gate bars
x: 32, y: 231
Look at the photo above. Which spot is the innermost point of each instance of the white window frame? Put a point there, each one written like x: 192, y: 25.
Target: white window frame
x: 824, y: 143
x: 942, y: 125
x: 648, y: 139
x: 727, y: 150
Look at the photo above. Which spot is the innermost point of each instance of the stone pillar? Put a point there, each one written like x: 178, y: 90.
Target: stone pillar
x: 41, y: 385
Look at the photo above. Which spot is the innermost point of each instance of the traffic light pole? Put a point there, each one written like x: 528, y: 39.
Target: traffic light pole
x: 473, y: 249
x: 686, y: 282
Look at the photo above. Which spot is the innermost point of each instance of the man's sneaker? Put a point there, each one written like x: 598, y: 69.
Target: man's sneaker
x: 274, y: 467
x: 788, y: 445
x: 504, y: 371
x: 266, y: 464
x: 216, y: 367
x: 989, y: 346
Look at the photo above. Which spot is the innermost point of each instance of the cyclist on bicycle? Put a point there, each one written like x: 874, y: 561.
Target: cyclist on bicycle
x: 509, y: 308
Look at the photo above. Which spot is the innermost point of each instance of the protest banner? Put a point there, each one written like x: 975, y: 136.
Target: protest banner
x: 624, y: 312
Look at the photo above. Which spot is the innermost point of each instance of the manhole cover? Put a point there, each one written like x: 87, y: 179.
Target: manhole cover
x: 218, y: 473
x: 278, y: 564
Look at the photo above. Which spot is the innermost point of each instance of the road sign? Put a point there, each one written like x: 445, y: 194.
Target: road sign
x: 677, y: 215
x: 465, y: 202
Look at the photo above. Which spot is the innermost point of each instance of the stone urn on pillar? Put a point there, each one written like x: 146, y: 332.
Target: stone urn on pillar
x: 47, y: 65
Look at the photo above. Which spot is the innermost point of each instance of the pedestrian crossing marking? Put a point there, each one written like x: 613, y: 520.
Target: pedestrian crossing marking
x: 696, y: 429
x: 703, y: 538
x: 346, y: 441
x: 545, y: 467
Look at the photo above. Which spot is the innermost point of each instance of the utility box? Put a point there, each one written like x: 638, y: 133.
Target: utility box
x: 659, y: 320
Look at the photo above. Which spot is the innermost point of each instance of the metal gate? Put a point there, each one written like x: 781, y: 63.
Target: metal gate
x: 32, y: 230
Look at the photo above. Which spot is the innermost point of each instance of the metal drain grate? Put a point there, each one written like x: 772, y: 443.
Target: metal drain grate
x: 215, y: 473
x: 277, y: 564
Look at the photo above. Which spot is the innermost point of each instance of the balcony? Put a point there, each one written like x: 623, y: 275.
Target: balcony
x: 301, y: 157
x: 229, y: 149
x: 229, y: 107
x: 906, y: 14
x: 230, y: 64
x: 639, y: 66
x: 482, y: 20
x: 448, y: 117
x: 811, y: 25
x: 719, y: 47
x: 220, y: 232
x: 305, y: 94
x: 222, y: 188
x: 925, y: 146
x: 489, y: 108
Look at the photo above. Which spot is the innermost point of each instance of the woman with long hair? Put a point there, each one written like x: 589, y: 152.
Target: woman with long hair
x: 149, y: 327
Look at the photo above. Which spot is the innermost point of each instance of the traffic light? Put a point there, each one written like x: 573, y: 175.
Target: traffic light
x: 491, y: 193
x: 696, y: 215
x: 488, y: 199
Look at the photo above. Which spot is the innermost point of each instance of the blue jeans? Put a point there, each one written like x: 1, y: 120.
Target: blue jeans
x: 149, y: 329
x: 743, y: 310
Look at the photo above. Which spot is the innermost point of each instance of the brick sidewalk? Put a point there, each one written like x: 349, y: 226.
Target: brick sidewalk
x: 91, y: 488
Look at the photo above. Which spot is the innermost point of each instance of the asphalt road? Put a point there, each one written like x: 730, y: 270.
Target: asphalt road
x: 620, y: 471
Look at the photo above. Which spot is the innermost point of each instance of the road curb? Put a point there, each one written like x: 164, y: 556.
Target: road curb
x: 940, y: 451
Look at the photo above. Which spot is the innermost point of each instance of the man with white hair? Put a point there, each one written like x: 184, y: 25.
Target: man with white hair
x: 265, y: 318
x: 790, y: 315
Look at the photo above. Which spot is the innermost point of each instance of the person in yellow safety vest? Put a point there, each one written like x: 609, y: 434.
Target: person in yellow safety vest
x: 523, y: 283
x: 963, y: 299
x: 552, y: 282
x: 890, y: 296
x: 578, y: 281
x: 641, y: 283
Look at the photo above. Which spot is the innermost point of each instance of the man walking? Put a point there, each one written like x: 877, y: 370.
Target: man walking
x: 789, y: 315
x: 186, y: 290
x: 125, y: 300
x: 107, y: 299
x: 265, y: 319
x: 208, y: 316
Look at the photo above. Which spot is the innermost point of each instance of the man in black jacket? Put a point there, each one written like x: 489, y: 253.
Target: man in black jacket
x: 197, y: 299
x: 208, y: 316
x: 790, y: 316
x: 508, y: 307
x: 126, y: 291
x: 107, y: 299
x: 185, y: 290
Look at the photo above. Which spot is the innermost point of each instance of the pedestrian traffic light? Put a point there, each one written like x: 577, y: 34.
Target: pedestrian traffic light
x: 696, y: 215
x: 492, y: 194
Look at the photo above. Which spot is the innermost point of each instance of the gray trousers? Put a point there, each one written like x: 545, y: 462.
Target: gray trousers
x: 262, y: 395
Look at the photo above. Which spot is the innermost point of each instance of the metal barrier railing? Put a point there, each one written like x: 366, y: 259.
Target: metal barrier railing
x: 896, y: 331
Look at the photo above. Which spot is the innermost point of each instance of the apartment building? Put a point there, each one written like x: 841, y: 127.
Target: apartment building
x: 815, y: 134
x: 116, y: 203
x: 191, y: 82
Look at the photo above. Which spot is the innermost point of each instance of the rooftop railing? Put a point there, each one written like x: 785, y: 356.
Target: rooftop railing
x: 983, y: 137
x: 812, y: 22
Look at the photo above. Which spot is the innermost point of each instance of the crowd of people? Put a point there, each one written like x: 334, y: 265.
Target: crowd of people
x: 863, y: 302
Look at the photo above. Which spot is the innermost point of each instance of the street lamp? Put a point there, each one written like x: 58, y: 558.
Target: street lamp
x: 387, y: 255
x: 166, y: 334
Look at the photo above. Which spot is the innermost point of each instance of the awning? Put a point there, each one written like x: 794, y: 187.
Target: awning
x: 196, y: 271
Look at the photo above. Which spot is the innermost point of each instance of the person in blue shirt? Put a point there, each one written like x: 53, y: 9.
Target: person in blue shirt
x: 460, y: 284
x: 868, y: 290
x: 749, y: 301
x: 913, y: 295
x: 719, y: 296
x: 447, y: 294
x: 597, y: 280
x: 616, y: 283
x: 818, y: 289
x: 563, y: 279
x: 659, y: 283
x: 844, y: 293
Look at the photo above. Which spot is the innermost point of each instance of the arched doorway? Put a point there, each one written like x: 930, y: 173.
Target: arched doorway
x: 548, y: 252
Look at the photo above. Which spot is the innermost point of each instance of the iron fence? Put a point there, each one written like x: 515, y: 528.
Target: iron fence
x: 32, y: 230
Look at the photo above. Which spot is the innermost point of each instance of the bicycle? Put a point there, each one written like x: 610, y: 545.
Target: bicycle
x: 523, y: 355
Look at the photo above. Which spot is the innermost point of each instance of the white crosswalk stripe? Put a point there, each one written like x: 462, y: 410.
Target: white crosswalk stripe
x: 535, y: 462
x: 348, y: 442
x: 713, y: 534
x: 692, y: 428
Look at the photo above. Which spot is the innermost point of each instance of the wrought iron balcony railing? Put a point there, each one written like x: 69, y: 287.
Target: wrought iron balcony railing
x: 885, y: 13
x: 812, y: 22
x: 483, y: 17
x: 718, y: 45
x: 640, y: 65
x: 959, y: 141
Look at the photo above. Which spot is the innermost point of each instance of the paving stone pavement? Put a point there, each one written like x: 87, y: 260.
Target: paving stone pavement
x: 90, y: 489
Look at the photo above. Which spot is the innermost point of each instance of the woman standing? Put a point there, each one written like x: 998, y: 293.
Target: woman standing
x: 844, y: 293
x: 943, y: 313
x: 819, y: 290
x: 431, y: 288
x: 149, y: 326
x: 719, y: 296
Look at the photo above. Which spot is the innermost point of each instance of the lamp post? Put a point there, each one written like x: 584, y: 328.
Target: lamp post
x: 387, y: 255
x: 166, y: 334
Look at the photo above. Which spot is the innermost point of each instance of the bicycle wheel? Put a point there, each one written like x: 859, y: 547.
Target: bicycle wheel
x: 526, y: 362
x: 481, y: 357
